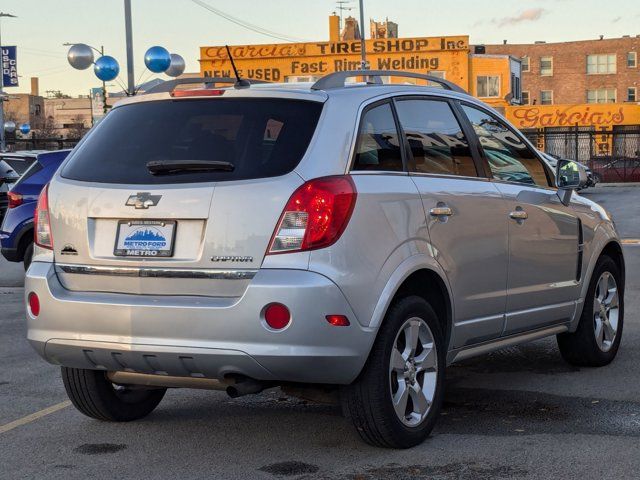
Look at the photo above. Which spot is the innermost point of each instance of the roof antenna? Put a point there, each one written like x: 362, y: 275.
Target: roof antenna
x: 240, y: 82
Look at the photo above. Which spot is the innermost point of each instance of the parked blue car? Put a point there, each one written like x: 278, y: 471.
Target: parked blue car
x: 16, y: 232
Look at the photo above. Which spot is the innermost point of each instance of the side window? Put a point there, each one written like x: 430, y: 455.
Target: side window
x: 435, y: 137
x: 377, y: 147
x: 509, y: 158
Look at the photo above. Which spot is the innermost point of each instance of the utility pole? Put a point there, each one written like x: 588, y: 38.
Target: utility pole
x: 3, y: 144
x: 363, y: 44
x: 131, y: 84
x: 341, y: 7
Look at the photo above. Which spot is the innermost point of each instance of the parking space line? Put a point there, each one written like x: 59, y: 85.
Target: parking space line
x: 630, y: 241
x: 34, y: 416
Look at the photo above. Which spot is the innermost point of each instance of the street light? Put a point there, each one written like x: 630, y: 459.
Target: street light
x: 3, y: 145
x: 79, y: 59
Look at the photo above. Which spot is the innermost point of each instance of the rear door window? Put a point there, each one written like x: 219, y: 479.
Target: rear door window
x: 435, y: 138
x: 377, y: 147
x: 260, y: 137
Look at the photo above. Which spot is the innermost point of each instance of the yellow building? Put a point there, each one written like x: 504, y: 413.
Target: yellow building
x: 599, y: 116
x: 598, y: 129
x: 494, y: 78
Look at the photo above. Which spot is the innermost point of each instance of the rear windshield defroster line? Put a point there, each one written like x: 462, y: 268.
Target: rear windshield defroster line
x: 260, y: 137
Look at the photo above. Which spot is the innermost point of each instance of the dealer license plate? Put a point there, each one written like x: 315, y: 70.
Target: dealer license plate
x: 145, y: 238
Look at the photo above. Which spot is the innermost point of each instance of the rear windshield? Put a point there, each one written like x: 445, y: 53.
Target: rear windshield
x: 19, y: 165
x: 260, y: 137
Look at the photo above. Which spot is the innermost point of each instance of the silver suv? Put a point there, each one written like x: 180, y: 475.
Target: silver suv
x: 335, y: 237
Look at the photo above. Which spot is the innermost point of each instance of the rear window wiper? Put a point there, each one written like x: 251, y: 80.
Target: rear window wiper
x: 163, y: 167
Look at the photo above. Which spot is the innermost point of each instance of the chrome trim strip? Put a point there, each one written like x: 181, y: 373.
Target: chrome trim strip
x: 155, y: 272
x: 502, y: 342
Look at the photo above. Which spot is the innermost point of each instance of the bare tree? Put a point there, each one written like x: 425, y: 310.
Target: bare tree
x: 45, y: 128
x: 78, y: 129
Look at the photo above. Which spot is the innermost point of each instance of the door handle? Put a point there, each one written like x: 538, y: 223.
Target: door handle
x: 519, y: 215
x: 440, y: 212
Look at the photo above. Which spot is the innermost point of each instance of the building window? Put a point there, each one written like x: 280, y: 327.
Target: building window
x: 516, y: 89
x: 437, y: 73
x: 525, y: 64
x: 546, y: 66
x: 632, y: 59
x: 488, y: 86
x: 601, y: 95
x: 632, y: 94
x: 546, y: 97
x: 601, y: 64
x: 525, y: 98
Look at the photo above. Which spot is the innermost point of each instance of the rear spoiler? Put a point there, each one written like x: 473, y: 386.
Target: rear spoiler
x: 170, y: 85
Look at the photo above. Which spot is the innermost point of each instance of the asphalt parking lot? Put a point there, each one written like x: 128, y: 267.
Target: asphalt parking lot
x: 517, y: 413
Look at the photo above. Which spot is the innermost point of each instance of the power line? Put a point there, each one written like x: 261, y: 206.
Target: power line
x: 248, y: 26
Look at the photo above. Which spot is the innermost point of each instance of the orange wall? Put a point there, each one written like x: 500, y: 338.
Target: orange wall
x: 276, y: 62
x: 599, y: 115
x: 491, y: 65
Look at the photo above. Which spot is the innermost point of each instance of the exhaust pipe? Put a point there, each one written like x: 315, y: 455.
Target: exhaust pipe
x: 153, y: 381
x: 235, y: 387
x: 246, y: 387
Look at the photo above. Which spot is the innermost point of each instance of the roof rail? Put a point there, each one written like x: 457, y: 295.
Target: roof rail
x: 170, y: 85
x: 337, y: 79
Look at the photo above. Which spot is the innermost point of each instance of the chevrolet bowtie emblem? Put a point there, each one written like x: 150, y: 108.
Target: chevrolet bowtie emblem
x: 143, y: 200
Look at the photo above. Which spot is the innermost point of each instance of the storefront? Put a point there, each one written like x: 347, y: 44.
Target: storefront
x: 446, y: 57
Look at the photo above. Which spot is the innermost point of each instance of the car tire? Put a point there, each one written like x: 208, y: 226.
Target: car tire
x: 28, y: 256
x: 596, y: 341
x: 94, y: 395
x: 369, y: 401
x: 597, y: 178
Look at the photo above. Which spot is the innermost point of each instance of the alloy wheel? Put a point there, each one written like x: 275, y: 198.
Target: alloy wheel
x: 605, y: 311
x: 413, y: 371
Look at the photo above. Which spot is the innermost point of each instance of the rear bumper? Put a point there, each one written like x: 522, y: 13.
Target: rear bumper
x: 201, y: 336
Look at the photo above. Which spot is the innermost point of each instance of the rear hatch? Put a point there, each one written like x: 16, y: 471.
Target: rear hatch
x: 178, y: 197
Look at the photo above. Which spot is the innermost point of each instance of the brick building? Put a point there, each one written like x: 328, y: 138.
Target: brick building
x: 588, y: 71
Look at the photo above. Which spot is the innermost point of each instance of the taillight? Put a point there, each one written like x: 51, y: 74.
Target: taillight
x: 315, y: 216
x: 15, y: 199
x: 42, y: 226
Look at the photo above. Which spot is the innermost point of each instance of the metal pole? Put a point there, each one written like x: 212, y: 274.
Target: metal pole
x: 363, y: 45
x: 131, y: 84
x: 3, y: 144
x: 104, y: 89
x: 91, y: 105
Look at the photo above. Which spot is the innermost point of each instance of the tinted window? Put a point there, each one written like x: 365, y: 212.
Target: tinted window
x: 435, y: 137
x: 509, y: 157
x: 6, y: 171
x: 260, y: 137
x: 19, y: 165
x: 378, y: 147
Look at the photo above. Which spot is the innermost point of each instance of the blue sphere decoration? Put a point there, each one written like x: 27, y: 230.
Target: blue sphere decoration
x: 157, y: 59
x: 25, y: 128
x: 106, y: 68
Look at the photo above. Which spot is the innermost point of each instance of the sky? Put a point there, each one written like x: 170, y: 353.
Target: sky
x: 182, y: 26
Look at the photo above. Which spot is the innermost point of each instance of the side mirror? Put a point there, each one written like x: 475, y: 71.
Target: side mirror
x: 570, y: 176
